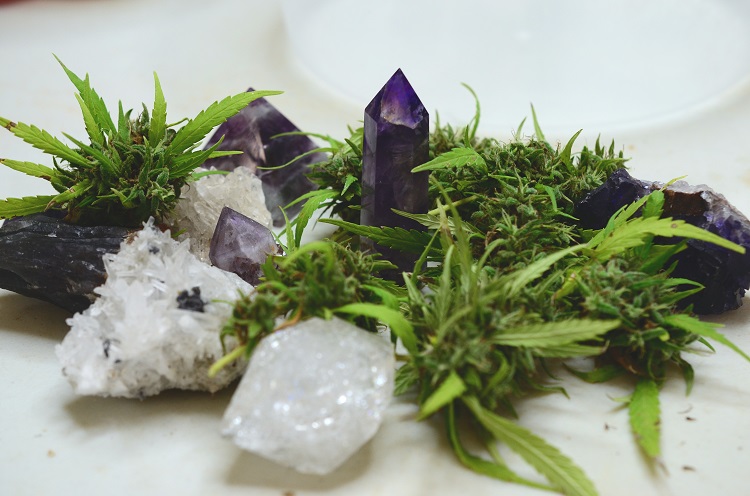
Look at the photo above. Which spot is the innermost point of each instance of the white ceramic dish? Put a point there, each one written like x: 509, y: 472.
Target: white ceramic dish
x: 52, y: 442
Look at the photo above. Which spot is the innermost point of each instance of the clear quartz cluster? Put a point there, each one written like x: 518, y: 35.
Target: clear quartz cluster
x: 155, y: 325
x: 312, y: 395
x: 202, y: 202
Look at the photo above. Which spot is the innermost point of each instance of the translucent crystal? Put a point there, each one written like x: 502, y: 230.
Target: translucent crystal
x: 155, y: 325
x: 241, y: 245
x: 202, y: 201
x: 396, y: 139
x: 255, y: 131
x: 312, y: 395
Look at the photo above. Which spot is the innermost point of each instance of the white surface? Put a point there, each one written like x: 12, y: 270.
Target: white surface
x: 55, y: 443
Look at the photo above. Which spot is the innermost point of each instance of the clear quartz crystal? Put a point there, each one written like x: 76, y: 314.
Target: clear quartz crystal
x: 312, y: 395
x: 155, y: 325
x: 202, y: 201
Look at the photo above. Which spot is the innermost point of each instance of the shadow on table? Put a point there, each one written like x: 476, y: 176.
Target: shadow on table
x: 30, y: 316
x: 251, y: 470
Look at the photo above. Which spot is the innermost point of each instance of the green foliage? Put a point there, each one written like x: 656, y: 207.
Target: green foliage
x: 320, y: 279
x: 644, y: 416
x: 126, y: 173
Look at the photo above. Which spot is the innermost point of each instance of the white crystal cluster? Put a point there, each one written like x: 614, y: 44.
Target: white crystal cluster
x: 201, y: 203
x: 135, y: 340
x: 312, y: 394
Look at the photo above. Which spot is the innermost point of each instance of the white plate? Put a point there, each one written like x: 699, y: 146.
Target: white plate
x: 55, y: 443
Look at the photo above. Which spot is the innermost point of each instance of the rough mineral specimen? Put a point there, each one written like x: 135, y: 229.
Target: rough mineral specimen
x: 155, y: 325
x: 252, y: 131
x: 202, y: 201
x: 312, y: 395
x: 43, y: 257
x: 241, y: 245
x: 396, y: 139
x: 725, y: 274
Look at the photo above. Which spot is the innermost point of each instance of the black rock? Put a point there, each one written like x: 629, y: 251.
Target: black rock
x: 252, y: 131
x: 43, y: 257
x: 724, y: 273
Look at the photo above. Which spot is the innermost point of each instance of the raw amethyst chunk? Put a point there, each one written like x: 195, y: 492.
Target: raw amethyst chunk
x: 252, y: 131
x: 725, y: 274
x: 43, y: 257
x: 241, y: 245
x: 396, y: 139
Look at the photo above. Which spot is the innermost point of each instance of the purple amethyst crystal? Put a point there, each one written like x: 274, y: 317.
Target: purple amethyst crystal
x: 241, y: 245
x: 724, y: 274
x: 396, y: 139
x: 252, y: 131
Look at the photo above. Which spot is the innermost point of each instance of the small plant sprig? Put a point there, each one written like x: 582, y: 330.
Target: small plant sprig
x: 320, y: 279
x: 130, y: 170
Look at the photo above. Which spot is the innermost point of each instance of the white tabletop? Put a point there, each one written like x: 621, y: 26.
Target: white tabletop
x: 53, y: 442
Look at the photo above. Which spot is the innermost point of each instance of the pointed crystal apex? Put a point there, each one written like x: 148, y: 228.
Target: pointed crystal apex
x: 241, y: 245
x: 396, y: 139
x: 397, y: 103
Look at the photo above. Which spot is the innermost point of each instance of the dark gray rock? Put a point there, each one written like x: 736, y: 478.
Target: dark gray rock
x: 43, y: 257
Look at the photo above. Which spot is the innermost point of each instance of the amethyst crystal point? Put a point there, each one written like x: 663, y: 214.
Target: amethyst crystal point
x: 396, y: 139
x: 241, y: 245
x: 43, y: 257
x: 252, y: 131
x: 725, y: 274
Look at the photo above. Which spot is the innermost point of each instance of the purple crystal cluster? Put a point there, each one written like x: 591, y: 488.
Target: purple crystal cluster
x: 724, y: 273
x: 396, y: 139
x: 253, y: 132
x: 241, y: 245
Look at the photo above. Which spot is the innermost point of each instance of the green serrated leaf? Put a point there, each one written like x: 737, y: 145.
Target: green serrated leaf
x: 634, y: 233
x: 549, y: 334
x: 308, y: 209
x: 109, y: 167
x: 597, y: 375
x: 16, y: 207
x: 42, y: 140
x: 480, y: 465
x: 393, y: 237
x: 196, y: 129
x: 92, y: 128
x: 568, y: 351
x: 521, y: 278
x: 399, y: 325
x: 644, y: 416
x: 561, y: 472
x: 158, y: 125
x: 457, y: 157
x: 568, y: 150
x: 450, y: 389
x: 537, y: 128
x: 92, y: 100
x: 30, y: 168
x: 704, y: 329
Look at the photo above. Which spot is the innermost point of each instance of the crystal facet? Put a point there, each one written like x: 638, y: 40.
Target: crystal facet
x: 252, y: 131
x: 312, y: 395
x: 396, y: 139
x: 724, y: 273
x: 44, y: 257
x: 201, y: 203
x: 155, y: 325
x: 241, y: 245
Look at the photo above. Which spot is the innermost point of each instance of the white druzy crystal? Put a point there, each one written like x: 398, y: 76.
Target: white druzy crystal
x: 312, y: 395
x: 135, y: 340
x: 201, y: 203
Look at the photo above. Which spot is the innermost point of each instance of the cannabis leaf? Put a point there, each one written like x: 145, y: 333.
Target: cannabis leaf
x: 126, y: 173
x: 644, y: 416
